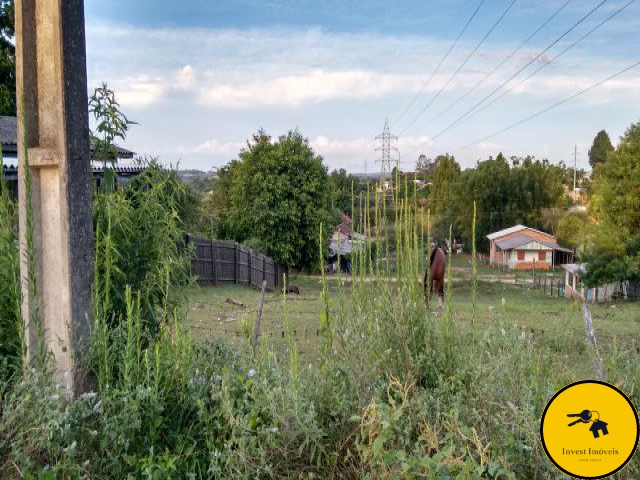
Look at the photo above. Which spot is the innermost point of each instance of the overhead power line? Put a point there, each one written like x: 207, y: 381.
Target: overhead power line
x: 502, y: 63
x: 530, y: 62
x: 551, y: 107
x: 442, y: 60
x: 541, y: 67
x: 462, y: 65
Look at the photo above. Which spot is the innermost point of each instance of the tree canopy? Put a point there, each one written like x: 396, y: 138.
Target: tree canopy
x: 505, y: 194
x: 446, y: 175
x: 614, y: 246
x: 600, y: 149
x: 279, y: 195
x: 342, y: 184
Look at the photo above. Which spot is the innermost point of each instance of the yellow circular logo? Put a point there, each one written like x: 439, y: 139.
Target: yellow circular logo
x: 589, y: 429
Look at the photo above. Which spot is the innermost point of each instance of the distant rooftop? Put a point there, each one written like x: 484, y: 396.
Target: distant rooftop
x: 522, y: 240
x: 9, y: 136
x: 510, y: 230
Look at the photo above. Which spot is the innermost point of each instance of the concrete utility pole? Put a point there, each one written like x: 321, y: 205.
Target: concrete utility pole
x: 575, y: 166
x: 51, y: 76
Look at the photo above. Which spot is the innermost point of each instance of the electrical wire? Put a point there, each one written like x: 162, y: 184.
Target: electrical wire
x: 442, y: 60
x: 444, y: 87
x: 502, y: 63
x: 543, y: 66
x: 530, y: 62
x: 551, y: 107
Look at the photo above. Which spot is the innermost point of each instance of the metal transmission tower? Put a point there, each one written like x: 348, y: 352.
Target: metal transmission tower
x: 386, y: 148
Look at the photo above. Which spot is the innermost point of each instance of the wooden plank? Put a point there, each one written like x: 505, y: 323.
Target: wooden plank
x: 213, y: 264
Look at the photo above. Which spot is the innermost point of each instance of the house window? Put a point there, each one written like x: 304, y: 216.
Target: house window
x: 521, y: 255
x: 542, y: 256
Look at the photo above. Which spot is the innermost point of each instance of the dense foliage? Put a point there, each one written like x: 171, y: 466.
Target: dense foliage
x: 600, y: 148
x: 506, y: 193
x: 139, y: 231
x: 343, y: 186
x: 279, y: 195
x: 10, y: 317
x: 612, y: 253
x: 573, y: 229
x: 446, y: 181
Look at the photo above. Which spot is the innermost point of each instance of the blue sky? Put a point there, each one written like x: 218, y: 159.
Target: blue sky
x: 201, y: 76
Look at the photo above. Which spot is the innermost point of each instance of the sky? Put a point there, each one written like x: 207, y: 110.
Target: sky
x: 201, y: 77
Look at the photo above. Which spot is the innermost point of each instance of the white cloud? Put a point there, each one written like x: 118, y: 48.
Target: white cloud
x: 309, y: 87
x: 185, y: 78
x: 489, y: 146
x: 184, y: 84
x: 564, y: 85
x: 355, y: 153
x: 139, y: 92
x: 142, y: 91
x: 241, y: 69
x: 215, y: 147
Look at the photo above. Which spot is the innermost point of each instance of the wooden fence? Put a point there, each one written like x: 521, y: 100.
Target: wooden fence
x: 602, y: 293
x: 553, y: 286
x: 217, y: 262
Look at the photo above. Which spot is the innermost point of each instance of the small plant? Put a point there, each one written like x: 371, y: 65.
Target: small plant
x: 111, y: 124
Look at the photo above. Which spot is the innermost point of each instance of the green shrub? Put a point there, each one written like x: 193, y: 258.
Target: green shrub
x: 139, y: 233
x: 10, y: 317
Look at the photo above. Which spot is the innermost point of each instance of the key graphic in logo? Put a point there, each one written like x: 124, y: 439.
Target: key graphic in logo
x: 587, y: 416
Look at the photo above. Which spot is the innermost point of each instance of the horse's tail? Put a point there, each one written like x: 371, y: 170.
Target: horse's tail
x: 433, y: 255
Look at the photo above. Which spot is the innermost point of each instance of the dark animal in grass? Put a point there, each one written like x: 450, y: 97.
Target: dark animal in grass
x: 291, y: 288
x: 434, y: 277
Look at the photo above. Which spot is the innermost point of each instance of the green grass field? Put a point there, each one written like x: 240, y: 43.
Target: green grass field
x: 554, y: 321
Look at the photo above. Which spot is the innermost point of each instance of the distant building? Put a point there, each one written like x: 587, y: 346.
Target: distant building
x: 575, y: 287
x: 525, y: 248
x: 415, y: 178
x: 125, y: 168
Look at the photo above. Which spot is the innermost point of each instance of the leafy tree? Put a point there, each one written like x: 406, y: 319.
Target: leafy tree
x: 279, y: 197
x: 7, y: 59
x: 616, y: 186
x: 219, y: 202
x: 505, y: 194
x: 446, y: 175
x: 600, y: 148
x: 425, y: 166
x: 341, y: 189
x: 614, y: 244
x: 572, y: 230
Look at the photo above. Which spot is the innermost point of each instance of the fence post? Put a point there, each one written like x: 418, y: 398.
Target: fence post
x: 235, y: 263
x: 213, y: 263
x: 187, y: 240
x: 264, y: 268
x: 256, y: 329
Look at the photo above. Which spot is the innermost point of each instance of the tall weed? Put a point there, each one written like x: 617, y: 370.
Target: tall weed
x: 11, y: 327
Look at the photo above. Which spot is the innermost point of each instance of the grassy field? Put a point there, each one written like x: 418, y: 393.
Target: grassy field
x: 554, y: 321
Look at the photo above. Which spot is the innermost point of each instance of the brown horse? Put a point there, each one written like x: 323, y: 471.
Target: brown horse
x: 434, y: 277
